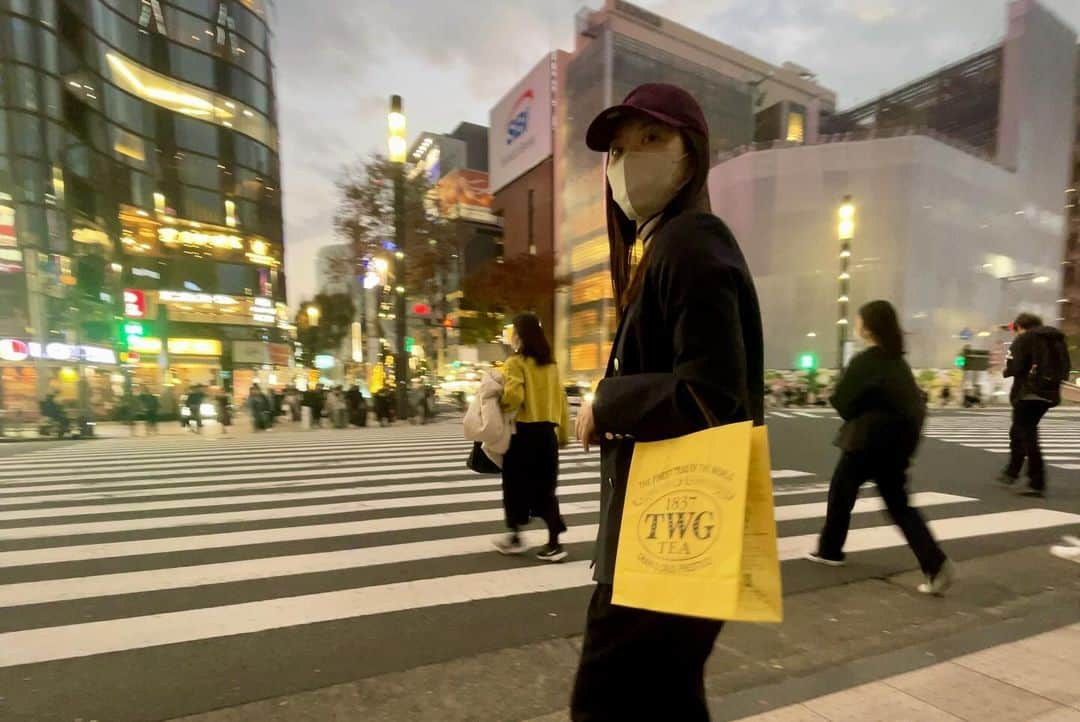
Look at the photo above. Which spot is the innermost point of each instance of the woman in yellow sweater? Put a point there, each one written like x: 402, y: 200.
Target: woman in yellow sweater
x: 533, y: 392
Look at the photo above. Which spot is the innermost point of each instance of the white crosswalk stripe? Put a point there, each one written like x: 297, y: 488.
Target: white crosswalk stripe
x: 1059, y: 434
x: 135, y: 522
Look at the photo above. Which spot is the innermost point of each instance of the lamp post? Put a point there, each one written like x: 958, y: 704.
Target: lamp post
x: 396, y: 123
x: 845, y: 231
x: 313, y: 314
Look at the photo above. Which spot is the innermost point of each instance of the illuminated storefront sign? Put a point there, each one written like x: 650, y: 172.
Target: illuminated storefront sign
x: 134, y: 303
x: 225, y: 241
x: 144, y: 344
x: 259, y: 252
x: 145, y: 273
x: 263, y: 310
x: 91, y: 236
x: 10, y: 260
x: 178, y: 346
x: 13, y: 349
x: 192, y: 297
x: 7, y: 222
x: 194, y: 346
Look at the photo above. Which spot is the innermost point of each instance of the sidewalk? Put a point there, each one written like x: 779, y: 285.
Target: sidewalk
x: 1035, y: 679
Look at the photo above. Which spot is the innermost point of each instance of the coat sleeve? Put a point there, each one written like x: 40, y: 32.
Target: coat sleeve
x: 513, y: 393
x: 698, y: 295
x: 854, y: 387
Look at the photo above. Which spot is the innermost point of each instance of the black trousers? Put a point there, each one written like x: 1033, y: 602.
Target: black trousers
x: 853, y: 470
x: 1024, y: 442
x: 638, y: 665
x: 530, y: 474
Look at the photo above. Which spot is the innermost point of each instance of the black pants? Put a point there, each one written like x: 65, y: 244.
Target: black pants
x: 638, y: 665
x: 1024, y: 442
x: 530, y: 475
x: 855, y: 469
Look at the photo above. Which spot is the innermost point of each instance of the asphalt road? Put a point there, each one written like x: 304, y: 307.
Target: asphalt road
x: 149, y: 579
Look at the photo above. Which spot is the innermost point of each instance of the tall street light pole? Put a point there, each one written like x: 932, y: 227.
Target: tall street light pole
x: 396, y: 121
x: 845, y: 230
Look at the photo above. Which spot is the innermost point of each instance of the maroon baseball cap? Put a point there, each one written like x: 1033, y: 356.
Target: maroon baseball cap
x: 666, y: 103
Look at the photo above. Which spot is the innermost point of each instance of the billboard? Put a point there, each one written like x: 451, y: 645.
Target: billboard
x: 520, y: 135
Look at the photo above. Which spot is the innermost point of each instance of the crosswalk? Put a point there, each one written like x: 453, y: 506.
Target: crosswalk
x: 1059, y: 434
x: 983, y: 429
x: 134, y: 544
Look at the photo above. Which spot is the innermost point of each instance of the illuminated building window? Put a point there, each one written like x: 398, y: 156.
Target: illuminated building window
x: 588, y: 254
x: 189, y: 100
x: 795, y: 127
x: 594, y: 287
x: 584, y: 357
x: 583, y: 322
x: 129, y: 145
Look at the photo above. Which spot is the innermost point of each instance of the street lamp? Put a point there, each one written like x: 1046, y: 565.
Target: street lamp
x: 845, y: 232
x: 396, y: 127
x: 313, y: 314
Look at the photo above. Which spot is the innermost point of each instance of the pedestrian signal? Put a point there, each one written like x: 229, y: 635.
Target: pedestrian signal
x: 807, y: 362
x: 960, y: 362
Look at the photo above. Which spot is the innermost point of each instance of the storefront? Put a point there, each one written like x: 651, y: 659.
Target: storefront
x: 61, y: 365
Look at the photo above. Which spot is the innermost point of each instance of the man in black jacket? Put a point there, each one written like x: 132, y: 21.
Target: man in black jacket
x: 1038, y: 362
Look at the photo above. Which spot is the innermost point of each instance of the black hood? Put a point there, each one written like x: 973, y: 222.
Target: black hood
x: 1048, y: 332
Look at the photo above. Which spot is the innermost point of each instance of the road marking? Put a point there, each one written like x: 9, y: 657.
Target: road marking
x: 182, y: 461
x: 227, y: 517
x: 46, y: 644
x: 53, y: 590
x: 168, y: 545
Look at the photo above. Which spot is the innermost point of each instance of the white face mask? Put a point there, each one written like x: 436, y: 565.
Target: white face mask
x: 644, y: 182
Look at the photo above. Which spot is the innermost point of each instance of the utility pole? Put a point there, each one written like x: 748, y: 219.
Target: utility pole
x: 396, y: 121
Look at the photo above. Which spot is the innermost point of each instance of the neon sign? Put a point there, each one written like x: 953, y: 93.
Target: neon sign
x: 223, y: 241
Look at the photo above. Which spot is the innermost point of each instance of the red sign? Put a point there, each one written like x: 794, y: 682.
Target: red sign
x: 134, y: 303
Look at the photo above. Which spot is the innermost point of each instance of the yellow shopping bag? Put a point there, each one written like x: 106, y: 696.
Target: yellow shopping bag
x: 698, y: 534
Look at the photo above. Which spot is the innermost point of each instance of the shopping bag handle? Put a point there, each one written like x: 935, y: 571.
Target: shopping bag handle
x: 710, y: 417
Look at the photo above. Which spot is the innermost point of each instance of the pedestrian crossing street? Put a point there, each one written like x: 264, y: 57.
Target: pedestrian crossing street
x: 131, y: 544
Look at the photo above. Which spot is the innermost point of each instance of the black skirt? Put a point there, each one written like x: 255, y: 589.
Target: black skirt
x: 530, y: 473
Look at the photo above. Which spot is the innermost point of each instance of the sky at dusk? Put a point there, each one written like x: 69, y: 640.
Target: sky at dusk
x: 338, y: 61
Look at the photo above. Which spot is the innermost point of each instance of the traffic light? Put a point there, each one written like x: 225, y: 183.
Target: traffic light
x: 807, y: 362
x: 960, y: 362
x: 409, y: 343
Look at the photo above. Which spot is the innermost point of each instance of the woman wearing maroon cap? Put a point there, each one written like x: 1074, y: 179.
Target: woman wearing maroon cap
x: 688, y: 346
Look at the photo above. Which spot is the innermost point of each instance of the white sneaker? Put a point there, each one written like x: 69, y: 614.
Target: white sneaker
x: 1069, y: 553
x: 940, y: 582
x: 509, y: 544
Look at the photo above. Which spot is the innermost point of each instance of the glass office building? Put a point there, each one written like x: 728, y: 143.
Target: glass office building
x: 140, y: 202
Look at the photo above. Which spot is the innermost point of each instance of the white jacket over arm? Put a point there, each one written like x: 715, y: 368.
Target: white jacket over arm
x: 486, y: 422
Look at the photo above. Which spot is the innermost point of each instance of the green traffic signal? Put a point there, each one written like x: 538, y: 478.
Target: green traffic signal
x: 960, y: 362
x: 808, y: 362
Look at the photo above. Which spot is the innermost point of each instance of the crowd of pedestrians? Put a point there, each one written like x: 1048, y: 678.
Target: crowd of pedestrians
x: 337, y: 407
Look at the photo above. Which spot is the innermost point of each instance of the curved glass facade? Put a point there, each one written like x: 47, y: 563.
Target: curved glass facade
x: 124, y: 123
